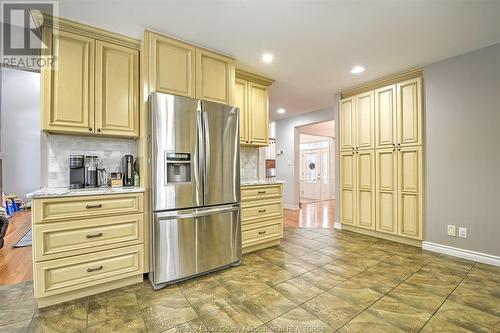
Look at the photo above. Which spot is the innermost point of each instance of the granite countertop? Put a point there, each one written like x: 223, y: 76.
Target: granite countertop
x: 65, y: 192
x: 261, y: 182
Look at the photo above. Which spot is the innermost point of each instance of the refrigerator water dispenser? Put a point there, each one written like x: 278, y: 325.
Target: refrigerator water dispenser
x: 178, y: 167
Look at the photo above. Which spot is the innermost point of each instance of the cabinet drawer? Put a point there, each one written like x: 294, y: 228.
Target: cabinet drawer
x: 262, y: 234
x: 63, y: 239
x: 57, y: 209
x: 256, y: 192
x: 68, y: 274
x: 261, y: 210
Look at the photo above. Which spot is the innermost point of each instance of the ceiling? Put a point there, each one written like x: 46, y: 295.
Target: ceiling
x: 315, y: 43
x: 326, y: 128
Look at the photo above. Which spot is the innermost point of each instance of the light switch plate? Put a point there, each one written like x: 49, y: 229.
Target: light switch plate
x: 452, y: 231
x: 462, y: 232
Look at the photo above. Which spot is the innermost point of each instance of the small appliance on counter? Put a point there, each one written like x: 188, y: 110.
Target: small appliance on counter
x: 91, y: 163
x: 76, y: 172
x: 128, y: 170
x: 116, y: 179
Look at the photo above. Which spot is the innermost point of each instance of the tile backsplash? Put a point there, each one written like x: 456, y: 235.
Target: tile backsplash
x: 58, y: 148
x: 249, y: 163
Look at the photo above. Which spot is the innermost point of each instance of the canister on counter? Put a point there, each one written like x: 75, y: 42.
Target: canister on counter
x: 116, y: 179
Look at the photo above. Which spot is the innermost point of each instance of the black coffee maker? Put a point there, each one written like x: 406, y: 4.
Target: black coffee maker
x: 128, y: 170
x: 76, y: 171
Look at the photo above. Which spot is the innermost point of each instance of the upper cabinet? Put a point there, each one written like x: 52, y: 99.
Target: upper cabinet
x: 172, y: 65
x: 252, y: 98
x: 178, y: 68
x: 347, y: 124
x: 214, y: 77
x: 409, y: 112
x: 365, y: 121
x: 93, y: 85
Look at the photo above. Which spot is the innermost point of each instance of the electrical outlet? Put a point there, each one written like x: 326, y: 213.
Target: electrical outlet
x: 452, y: 230
x: 462, y: 232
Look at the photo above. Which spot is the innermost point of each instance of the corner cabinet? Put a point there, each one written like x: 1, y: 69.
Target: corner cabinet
x: 92, y: 87
x: 179, y: 68
x: 381, y: 167
x: 252, y: 98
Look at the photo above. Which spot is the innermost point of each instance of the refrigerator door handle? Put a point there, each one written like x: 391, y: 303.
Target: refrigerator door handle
x: 206, y: 149
x: 196, y: 213
x: 198, y: 160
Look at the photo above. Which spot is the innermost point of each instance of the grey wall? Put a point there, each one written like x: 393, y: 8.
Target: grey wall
x: 287, y: 139
x: 462, y: 112
x: 20, y: 131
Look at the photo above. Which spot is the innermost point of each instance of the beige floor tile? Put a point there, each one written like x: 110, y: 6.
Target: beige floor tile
x: 333, y: 252
x: 420, y: 299
x: 332, y: 310
x: 401, y: 315
x: 298, y: 320
x: 478, y: 297
x: 132, y: 324
x: 342, y: 270
x: 366, y: 322
x: 147, y: 297
x: 434, y: 284
x: 268, y: 304
x: 316, y: 258
x: 192, y: 326
x: 167, y: 315
x: 294, y: 249
x: 103, y: 309
x: 233, y: 318
x: 209, y: 300
x: 468, y: 318
x: 322, y: 278
x: 70, y: 315
x: 244, y: 286
x: 298, y: 290
x: 437, y: 325
x: 356, y: 294
x: 18, y: 327
x: 297, y: 266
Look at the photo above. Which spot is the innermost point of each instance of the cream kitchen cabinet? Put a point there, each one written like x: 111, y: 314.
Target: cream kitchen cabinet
x: 93, y: 85
x: 252, y: 98
x: 357, y: 122
x: 381, y: 168
x: 357, y: 188
x: 179, y: 68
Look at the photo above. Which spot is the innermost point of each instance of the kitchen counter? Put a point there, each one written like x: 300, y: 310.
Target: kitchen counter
x: 64, y: 192
x: 261, y: 182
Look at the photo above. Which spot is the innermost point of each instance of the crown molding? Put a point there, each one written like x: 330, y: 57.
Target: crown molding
x: 243, y: 75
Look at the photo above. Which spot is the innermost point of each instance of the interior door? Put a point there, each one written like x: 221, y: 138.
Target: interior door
x: 221, y: 154
x: 348, y: 187
x: 176, y: 155
x: 365, y: 186
x: 117, y: 90
x: 68, y: 87
x: 387, y: 191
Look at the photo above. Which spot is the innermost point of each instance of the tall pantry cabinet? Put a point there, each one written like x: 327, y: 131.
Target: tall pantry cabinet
x: 381, y: 167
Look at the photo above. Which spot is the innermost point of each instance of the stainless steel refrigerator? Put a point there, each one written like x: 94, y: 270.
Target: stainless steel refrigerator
x: 195, y: 168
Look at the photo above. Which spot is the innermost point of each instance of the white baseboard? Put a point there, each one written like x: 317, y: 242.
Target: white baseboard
x: 293, y: 207
x: 462, y: 253
x: 337, y: 225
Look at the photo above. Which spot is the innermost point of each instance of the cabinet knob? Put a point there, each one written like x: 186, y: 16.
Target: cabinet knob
x: 98, y: 130
x: 90, y: 129
x: 394, y: 145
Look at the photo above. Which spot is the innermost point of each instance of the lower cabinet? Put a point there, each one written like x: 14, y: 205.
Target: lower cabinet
x: 261, y: 216
x: 83, y: 245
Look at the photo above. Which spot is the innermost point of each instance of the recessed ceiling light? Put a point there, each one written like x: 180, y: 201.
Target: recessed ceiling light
x: 357, y: 69
x: 281, y: 110
x: 267, y: 58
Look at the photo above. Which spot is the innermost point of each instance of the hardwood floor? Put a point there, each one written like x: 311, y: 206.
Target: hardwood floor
x: 15, y: 263
x: 312, y: 215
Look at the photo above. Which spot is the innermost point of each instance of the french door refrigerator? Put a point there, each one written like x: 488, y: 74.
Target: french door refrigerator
x: 195, y: 168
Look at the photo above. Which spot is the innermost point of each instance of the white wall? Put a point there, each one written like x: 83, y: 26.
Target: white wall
x: 287, y: 139
x: 20, y: 131
x: 462, y: 112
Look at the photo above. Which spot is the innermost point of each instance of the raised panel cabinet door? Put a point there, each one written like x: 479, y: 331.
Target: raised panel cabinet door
x: 241, y: 101
x: 365, y: 121
x: 215, y: 77
x: 365, y: 189
x: 409, y: 112
x: 385, y: 117
x: 258, y: 114
x: 347, y: 124
x: 410, y: 212
x: 386, y: 170
x: 172, y: 66
x: 117, y: 90
x: 68, y: 86
x: 348, y: 187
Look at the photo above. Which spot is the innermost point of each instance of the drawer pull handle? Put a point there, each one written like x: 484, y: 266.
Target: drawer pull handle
x: 93, y: 206
x: 95, y: 235
x: 262, y: 210
x: 262, y: 232
x: 261, y: 192
x: 90, y: 270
